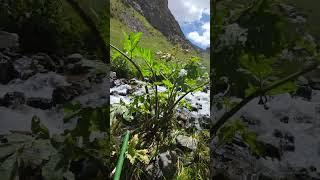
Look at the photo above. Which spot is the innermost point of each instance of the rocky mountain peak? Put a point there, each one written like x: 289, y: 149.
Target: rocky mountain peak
x: 160, y: 17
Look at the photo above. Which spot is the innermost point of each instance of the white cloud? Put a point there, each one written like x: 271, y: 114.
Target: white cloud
x: 206, y: 26
x: 203, y: 39
x: 189, y: 10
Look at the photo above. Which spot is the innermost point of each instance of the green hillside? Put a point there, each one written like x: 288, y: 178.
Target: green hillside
x: 151, y: 37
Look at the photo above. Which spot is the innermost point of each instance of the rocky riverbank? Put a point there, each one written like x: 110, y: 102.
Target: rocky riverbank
x: 290, y: 124
x: 40, y: 84
x: 198, y: 117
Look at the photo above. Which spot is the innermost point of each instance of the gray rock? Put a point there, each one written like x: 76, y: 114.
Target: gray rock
x: 12, y: 54
x: 77, y: 68
x: 163, y: 165
x: 183, y: 115
x: 13, y: 98
x: 7, y: 71
x: 187, y: 142
x: 113, y: 75
x: 64, y: 94
x: 25, y: 67
x: 290, y: 125
x: 305, y: 92
x: 43, y: 62
x: 167, y: 162
x: 40, y: 103
x: 74, y: 58
x: 121, y: 90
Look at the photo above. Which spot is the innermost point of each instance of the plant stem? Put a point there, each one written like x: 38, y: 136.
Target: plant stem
x: 121, y: 156
x: 138, y: 69
x: 226, y: 116
x: 129, y: 59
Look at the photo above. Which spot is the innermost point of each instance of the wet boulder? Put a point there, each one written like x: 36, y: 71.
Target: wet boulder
x: 76, y: 68
x: 186, y: 142
x: 25, y: 67
x: 41, y: 103
x: 167, y: 162
x: 63, y: 94
x: 43, y: 62
x: 7, y: 71
x: 13, y: 98
x: 74, y: 58
x: 304, y: 92
x: 164, y: 165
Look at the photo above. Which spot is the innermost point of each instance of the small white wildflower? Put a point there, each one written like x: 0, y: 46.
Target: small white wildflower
x: 183, y: 72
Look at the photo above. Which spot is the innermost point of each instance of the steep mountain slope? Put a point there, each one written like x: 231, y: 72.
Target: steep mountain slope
x: 154, y: 19
x: 160, y: 17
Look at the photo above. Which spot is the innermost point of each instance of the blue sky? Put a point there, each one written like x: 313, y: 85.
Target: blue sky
x: 194, y: 19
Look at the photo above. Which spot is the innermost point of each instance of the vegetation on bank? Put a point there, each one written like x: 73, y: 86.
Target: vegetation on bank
x: 258, y: 51
x: 152, y: 116
x: 261, y: 36
x: 122, y: 15
x: 53, y: 26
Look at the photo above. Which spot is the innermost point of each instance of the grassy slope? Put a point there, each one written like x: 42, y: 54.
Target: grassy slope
x: 154, y: 39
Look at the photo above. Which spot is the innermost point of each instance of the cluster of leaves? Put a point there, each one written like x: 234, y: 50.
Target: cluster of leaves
x: 258, y: 148
x: 262, y: 71
x: 121, y: 67
x: 229, y: 131
x: 151, y: 114
x: 71, y: 155
x: 89, y: 119
x: 178, y: 79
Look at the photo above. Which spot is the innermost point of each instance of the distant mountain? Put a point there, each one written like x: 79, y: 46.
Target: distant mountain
x: 153, y: 18
x: 160, y: 17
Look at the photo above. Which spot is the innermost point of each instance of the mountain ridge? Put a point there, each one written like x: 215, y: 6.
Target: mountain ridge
x: 160, y: 17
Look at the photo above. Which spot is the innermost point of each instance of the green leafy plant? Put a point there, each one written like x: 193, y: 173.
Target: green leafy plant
x: 39, y: 154
x: 228, y: 132
x: 59, y: 152
x: 134, y: 154
x: 88, y: 119
x: 178, y: 81
x: 152, y: 114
